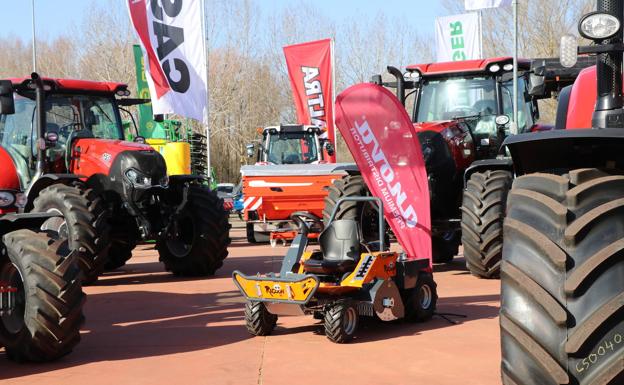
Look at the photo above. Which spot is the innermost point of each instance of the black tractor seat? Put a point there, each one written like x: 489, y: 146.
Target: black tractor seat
x: 340, y: 249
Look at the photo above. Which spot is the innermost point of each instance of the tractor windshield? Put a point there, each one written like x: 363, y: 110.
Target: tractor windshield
x: 291, y: 148
x: 452, y: 98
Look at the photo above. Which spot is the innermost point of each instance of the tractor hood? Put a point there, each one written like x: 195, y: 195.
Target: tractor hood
x: 437, y: 126
x: 96, y: 156
x: 9, y: 179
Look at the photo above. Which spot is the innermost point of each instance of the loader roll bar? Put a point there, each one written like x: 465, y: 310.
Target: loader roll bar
x: 378, y: 206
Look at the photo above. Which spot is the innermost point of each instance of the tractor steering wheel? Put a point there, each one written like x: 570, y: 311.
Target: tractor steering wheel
x: 306, y: 221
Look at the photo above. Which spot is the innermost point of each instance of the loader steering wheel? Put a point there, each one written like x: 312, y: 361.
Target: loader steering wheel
x: 307, y: 222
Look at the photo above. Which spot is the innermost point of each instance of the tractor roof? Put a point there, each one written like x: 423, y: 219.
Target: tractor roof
x: 292, y: 128
x: 465, y: 66
x: 74, y: 85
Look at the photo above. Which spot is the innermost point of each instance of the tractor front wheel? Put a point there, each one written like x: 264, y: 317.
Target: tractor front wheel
x: 197, y: 242
x: 258, y: 320
x: 483, y: 212
x: 84, y: 223
x: 44, y: 322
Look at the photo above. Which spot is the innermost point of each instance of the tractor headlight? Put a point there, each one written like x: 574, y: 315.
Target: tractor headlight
x: 138, y: 179
x: 598, y: 26
x: 6, y: 198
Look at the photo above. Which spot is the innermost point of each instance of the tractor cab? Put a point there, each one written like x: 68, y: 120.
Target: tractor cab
x: 291, y: 144
x: 73, y: 109
x: 477, y: 92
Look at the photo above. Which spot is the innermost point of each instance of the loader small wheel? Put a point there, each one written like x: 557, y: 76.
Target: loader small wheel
x: 85, y: 222
x: 197, y: 243
x: 44, y: 324
x: 483, y: 212
x: 341, y: 322
x: 258, y: 320
x: 562, y: 292
x: 420, y: 302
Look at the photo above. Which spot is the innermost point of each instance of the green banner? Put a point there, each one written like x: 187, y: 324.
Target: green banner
x: 146, y: 120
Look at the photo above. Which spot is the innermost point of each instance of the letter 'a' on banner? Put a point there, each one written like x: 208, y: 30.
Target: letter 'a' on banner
x: 311, y: 72
x: 458, y: 37
x: 382, y: 139
x: 171, y: 36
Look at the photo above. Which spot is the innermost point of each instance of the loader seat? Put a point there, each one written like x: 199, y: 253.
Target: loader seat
x: 340, y: 249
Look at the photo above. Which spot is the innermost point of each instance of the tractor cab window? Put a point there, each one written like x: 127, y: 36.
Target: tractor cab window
x: 525, y: 107
x: 17, y: 136
x: 459, y: 97
x: 291, y: 148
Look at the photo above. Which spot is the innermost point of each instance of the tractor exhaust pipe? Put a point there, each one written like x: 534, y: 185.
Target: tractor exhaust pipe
x: 400, y: 89
x: 608, y: 112
x: 41, y: 122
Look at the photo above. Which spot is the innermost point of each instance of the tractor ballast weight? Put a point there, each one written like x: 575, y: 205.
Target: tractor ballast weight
x: 41, y: 298
x: 110, y: 192
x: 561, y: 299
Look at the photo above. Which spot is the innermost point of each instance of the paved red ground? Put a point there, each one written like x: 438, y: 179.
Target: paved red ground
x: 145, y: 326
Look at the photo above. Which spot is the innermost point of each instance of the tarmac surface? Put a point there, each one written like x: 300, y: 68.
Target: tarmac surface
x: 145, y: 326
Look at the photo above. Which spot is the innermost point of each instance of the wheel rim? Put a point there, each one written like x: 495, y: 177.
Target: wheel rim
x: 14, y: 321
x: 350, y: 320
x: 182, y: 236
x: 426, y: 296
x: 56, y: 224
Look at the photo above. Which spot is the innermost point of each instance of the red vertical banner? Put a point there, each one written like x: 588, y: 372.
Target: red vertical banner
x: 311, y: 73
x: 383, y: 142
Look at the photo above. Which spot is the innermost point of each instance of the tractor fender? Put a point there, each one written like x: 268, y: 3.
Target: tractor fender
x: 562, y: 150
x: 32, y: 221
x: 47, y: 180
x: 487, y: 164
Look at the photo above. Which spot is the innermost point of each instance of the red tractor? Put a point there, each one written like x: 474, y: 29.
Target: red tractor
x: 562, y: 299
x: 64, y: 140
x: 461, y: 114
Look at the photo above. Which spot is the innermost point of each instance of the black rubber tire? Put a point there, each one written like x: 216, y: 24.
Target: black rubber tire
x: 123, y: 239
x: 53, y: 297
x: 336, y: 327
x: 483, y: 213
x: 416, y: 308
x: 445, y: 250
x: 86, y: 217
x: 210, y: 238
x: 258, y: 320
x: 562, y: 299
x: 353, y: 186
x: 256, y: 236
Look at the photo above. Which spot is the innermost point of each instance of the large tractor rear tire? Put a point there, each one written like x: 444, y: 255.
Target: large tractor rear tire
x: 562, y: 299
x: 483, y: 212
x: 363, y: 212
x: 84, y: 223
x: 45, y: 323
x: 201, y: 238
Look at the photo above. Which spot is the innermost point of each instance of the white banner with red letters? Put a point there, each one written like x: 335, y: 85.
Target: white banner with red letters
x: 175, y: 62
x: 458, y: 37
x: 310, y: 69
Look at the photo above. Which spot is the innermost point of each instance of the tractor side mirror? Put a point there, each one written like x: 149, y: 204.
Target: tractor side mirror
x: 329, y: 148
x: 251, y: 149
x: 7, y: 104
x: 159, y: 118
x: 139, y: 139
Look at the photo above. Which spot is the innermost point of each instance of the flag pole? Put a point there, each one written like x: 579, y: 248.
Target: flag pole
x: 34, y: 39
x: 207, y: 117
x: 335, y: 144
x: 481, y: 33
x: 514, y: 124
